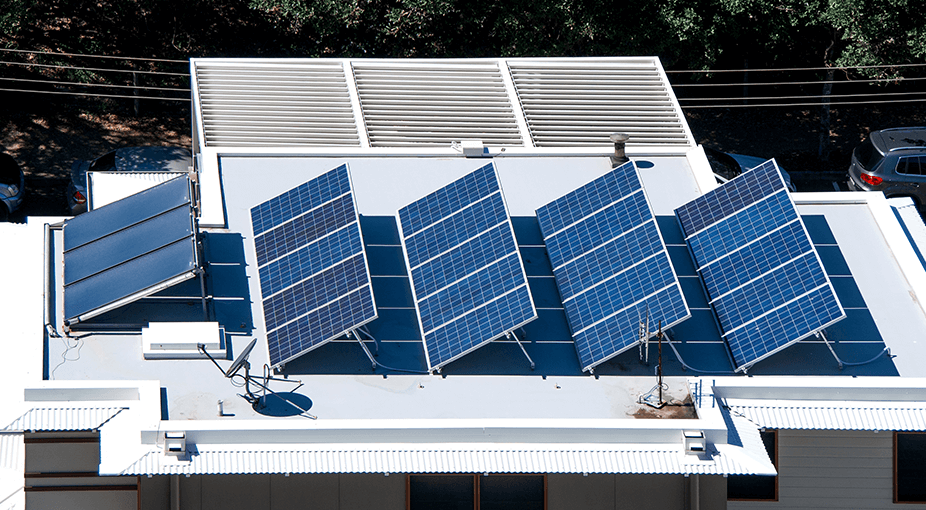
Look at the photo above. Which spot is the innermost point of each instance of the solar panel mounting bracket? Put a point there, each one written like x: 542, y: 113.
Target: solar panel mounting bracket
x: 366, y: 350
x: 511, y: 334
x: 819, y: 334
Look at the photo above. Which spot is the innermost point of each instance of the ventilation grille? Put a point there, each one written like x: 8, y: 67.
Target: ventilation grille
x: 279, y: 105
x: 434, y: 104
x: 580, y: 102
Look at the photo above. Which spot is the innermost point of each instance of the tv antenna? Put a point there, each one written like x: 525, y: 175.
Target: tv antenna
x: 654, y: 397
x: 256, y: 401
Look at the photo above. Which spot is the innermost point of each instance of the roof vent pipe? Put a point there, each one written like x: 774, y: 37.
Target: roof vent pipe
x: 619, y: 157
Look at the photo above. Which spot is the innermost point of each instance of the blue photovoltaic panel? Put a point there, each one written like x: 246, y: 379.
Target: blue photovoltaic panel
x: 610, y: 264
x: 763, y: 276
x: 314, y: 277
x: 467, y: 276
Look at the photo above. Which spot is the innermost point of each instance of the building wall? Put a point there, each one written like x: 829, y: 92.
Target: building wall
x: 363, y: 491
x: 832, y: 469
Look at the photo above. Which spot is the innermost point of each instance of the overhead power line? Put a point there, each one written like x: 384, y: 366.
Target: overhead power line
x: 185, y: 99
x: 833, y: 104
x: 78, y: 68
x: 93, y: 56
x: 773, y: 98
x: 77, y: 83
x: 814, y: 82
x: 832, y: 68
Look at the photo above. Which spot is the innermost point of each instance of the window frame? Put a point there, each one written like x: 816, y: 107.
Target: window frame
x: 774, y: 458
x: 894, y: 467
x: 477, y: 503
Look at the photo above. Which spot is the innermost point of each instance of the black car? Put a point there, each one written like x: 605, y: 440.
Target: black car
x: 729, y: 166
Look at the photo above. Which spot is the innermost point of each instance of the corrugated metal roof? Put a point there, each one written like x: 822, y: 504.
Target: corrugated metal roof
x: 406, y: 103
x: 434, y: 459
x: 64, y: 418
x: 529, y: 102
x: 580, y: 102
x: 12, y: 469
x: 846, y: 416
x: 274, y: 103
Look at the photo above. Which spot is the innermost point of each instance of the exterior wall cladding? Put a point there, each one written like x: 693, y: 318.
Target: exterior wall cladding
x: 365, y: 491
x: 833, y: 469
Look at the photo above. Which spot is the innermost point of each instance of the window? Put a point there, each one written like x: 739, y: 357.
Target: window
x: 476, y: 492
x: 754, y: 487
x: 909, y: 467
x: 911, y: 165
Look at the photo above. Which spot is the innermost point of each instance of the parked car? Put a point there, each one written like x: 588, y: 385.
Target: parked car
x: 12, y: 186
x: 892, y: 161
x: 728, y: 165
x: 127, y: 159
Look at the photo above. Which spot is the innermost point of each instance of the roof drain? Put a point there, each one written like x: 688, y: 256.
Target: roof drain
x: 619, y: 157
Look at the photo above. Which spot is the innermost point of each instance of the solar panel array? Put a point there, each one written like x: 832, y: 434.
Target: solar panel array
x: 314, y: 278
x: 467, y: 276
x: 763, y: 276
x: 610, y: 264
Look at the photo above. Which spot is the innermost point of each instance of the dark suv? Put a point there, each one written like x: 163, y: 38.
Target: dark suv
x: 892, y: 161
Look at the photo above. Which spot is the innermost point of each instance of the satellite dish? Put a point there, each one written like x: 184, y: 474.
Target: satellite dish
x: 241, y: 359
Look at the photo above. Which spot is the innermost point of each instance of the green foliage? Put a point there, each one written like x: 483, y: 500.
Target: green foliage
x: 12, y: 15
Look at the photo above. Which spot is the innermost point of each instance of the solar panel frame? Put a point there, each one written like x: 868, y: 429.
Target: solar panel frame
x: 765, y: 210
x: 455, y: 206
x: 313, y: 288
x: 601, y: 238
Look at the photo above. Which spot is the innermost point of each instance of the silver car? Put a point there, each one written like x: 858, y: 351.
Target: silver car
x: 127, y: 159
x: 892, y: 161
x: 12, y: 184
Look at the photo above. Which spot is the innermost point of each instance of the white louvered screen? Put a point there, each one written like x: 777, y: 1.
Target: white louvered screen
x: 275, y: 104
x: 432, y: 103
x: 579, y: 102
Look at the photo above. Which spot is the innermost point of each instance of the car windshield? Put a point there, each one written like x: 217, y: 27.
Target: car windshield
x: 104, y: 163
x: 867, y: 156
x: 9, y: 170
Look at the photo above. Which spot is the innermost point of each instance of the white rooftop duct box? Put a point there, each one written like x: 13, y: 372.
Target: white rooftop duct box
x: 474, y: 149
x: 695, y: 444
x: 179, y: 340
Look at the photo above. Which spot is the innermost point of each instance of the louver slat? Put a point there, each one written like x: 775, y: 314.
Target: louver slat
x: 405, y: 105
x: 580, y: 103
x: 281, y: 105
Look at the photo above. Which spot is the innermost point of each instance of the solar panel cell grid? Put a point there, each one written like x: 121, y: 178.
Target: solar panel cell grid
x: 769, y: 291
x: 591, y: 232
x: 602, y: 192
x: 471, y: 330
x: 751, y: 223
x: 754, y: 259
x: 300, y: 199
x: 764, y: 279
x: 313, y: 272
x: 610, y: 264
x: 471, y: 293
x: 773, y: 331
x: 456, y: 229
x: 320, y: 325
x: 735, y: 195
x: 468, y: 280
x: 447, y: 200
x: 620, y: 331
x: 309, y: 260
x: 482, y: 250
x: 304, y: 229
x: 607, y: 260
x: 619, y: 292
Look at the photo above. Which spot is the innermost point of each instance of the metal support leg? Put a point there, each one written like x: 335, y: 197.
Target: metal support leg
x: 821, y: 335
x: 511, y: 334
x: 354, y: 334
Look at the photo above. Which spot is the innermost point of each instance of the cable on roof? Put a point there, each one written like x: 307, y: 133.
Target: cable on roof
x: 87, y: 55
x: 693, y: 369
